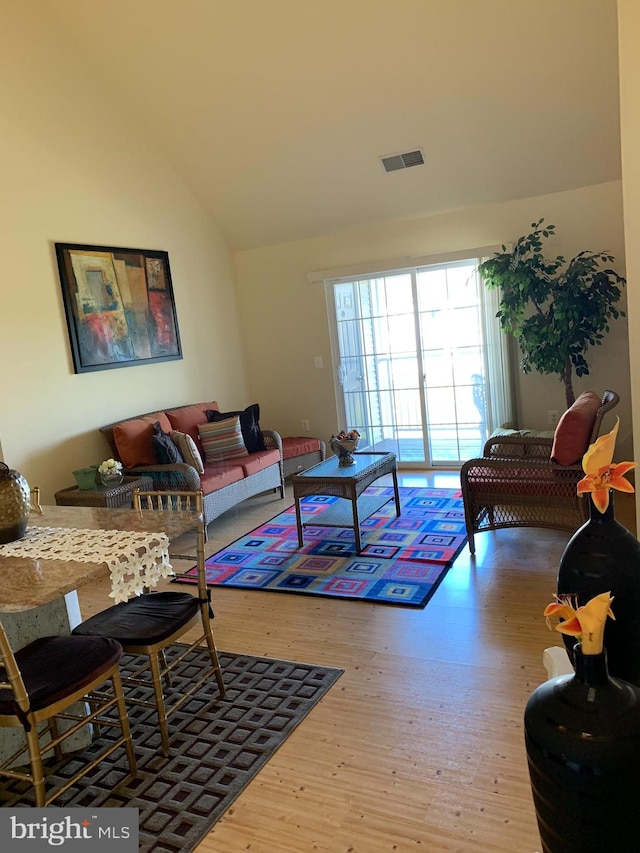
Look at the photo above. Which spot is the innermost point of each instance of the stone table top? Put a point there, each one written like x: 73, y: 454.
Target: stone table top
x: 27, y: 582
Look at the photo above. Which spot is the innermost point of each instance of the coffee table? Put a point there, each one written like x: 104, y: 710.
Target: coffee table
x: 328, y: 478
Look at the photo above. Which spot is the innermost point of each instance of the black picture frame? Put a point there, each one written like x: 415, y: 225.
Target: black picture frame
x: 119, y: 306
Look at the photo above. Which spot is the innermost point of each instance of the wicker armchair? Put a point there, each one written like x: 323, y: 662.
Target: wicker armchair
x: 516, y: 483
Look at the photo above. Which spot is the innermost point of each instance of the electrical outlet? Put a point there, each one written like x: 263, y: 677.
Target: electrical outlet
x: 318, y: 361
x: 305, y: 424
x: 553, y: 417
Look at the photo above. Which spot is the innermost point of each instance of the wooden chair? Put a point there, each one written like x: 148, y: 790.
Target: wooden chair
x: 39, y: 684
x: 516, y: 483
x: 36, y: 509
x: 148, y: 624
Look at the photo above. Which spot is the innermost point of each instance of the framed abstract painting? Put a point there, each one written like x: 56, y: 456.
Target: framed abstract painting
x: 119, y: 306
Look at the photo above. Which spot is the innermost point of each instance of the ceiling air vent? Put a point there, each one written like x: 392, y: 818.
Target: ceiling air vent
x: 403, y: 161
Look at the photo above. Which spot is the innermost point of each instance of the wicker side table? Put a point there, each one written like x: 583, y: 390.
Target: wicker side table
x: 107, y: 496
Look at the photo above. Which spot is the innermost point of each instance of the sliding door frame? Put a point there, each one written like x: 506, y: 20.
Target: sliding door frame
x: 502, y: 373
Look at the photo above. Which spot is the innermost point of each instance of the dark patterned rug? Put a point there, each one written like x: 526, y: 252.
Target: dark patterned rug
x: 402, y: 561
x: 217, y: 748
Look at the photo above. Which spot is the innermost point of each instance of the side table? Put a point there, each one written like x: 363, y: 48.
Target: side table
x: 107, y: 496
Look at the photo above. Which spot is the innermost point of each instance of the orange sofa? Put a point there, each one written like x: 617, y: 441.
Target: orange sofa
x: 225, y: 481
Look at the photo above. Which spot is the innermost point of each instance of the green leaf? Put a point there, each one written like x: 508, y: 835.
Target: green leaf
x: 554, y: 310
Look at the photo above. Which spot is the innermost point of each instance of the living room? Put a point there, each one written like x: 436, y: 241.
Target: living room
x: 83, y: 167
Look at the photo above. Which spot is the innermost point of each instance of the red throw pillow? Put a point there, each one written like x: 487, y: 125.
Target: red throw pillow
x: 571, y: 438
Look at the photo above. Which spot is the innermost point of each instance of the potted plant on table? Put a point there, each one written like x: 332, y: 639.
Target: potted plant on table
x: 110, y: 472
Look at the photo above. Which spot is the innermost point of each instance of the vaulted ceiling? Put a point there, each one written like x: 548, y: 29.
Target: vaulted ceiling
x: 275, y: 112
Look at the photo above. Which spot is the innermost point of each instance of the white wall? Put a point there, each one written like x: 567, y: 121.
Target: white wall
x: 77, y: 169
x: 285, y: 320
x: 629, y: 59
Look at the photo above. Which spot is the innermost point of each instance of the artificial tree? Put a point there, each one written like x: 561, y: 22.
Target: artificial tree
x: 555, y: 312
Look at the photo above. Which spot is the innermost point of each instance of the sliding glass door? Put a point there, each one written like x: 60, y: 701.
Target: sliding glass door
x: 412, y: 362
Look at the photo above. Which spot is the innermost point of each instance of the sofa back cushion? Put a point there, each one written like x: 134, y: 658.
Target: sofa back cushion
x: 187, y: 418
x: 222, y: 439
x: 572, y: 435
x: 134, y: 439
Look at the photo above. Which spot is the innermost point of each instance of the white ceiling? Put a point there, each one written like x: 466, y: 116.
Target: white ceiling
x: 275, y: 112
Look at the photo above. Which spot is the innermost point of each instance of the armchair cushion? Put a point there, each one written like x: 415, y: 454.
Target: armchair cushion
x: 571, y: 438
x: 293, y: 446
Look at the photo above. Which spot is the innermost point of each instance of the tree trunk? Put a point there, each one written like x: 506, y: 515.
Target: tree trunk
x: 567, y: 377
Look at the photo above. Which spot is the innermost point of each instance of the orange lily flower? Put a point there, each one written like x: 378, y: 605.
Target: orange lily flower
x: 586, y: 623
x: 562, y: 608
x: 601, y: 474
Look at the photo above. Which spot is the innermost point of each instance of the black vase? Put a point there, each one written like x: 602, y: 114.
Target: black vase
x: 15, y: 504
x: 582, y: 735
x: 603, y: 556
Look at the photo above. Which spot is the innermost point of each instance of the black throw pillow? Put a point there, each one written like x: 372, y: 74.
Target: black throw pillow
x: 164, y: 446
x: 249, y: 424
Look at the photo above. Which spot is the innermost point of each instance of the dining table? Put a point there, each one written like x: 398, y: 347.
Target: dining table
x: 65, y: 548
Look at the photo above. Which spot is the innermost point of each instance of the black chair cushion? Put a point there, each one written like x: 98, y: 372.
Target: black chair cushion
x: 144, y: 620
x: 55, y: 667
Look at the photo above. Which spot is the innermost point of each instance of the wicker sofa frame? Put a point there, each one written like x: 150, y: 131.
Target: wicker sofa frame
x: 183, y: 477
x: 516, y: 483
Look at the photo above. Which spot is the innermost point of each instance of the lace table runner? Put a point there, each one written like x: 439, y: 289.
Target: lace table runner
x: 135, y: 560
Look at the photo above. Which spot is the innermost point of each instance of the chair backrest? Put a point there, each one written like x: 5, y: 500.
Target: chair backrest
x: 168, y: 500
x: 10, y: 675
x: 179, y: 501
x: 35, y: 500
x: 609, y: 401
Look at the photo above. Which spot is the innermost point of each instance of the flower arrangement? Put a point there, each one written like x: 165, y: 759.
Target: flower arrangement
x: 343, y: 444
x: 601, y: 475
x: 585, y: 623
x: 347, y: 435
x: 110, y: 466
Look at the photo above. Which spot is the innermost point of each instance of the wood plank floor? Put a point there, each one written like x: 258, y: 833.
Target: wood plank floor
x: 419, y: 745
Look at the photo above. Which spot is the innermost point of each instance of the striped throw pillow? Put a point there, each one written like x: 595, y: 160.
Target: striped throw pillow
x: 222, y: 440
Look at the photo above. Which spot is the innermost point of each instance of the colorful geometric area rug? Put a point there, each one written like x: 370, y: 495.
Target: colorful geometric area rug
x: 217, y: 747
x: 402, y: 561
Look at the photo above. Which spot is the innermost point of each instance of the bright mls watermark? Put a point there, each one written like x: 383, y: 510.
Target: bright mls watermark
x: 114, y: 829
